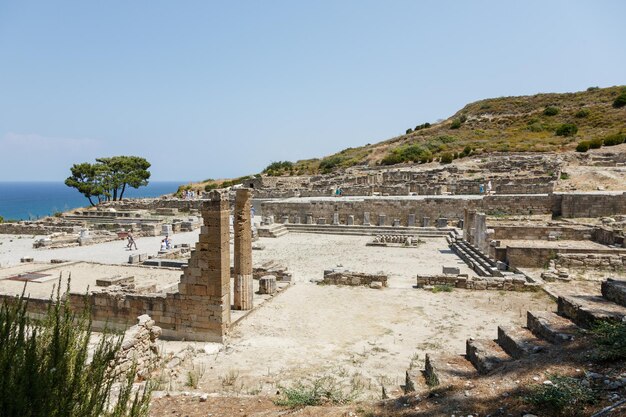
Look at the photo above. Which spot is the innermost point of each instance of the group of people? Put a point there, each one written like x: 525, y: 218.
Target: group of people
x: 189, y: 194
x: 166, y: 244
x: 484, y: 190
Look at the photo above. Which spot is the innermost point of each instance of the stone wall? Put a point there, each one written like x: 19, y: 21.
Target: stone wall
x: 139, y: 348
x: 605, y: 262
x: 539, y: 257
x: 536, y: 232
x: 593, y: 205
x: 342, y: 277
x: 513, y: 283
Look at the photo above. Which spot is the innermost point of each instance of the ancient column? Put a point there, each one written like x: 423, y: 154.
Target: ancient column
x: 204, y: 287
x: 243, y: 251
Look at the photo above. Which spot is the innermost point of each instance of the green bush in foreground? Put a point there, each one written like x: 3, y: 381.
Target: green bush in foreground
x: 563, y: 396
x: 46, y: 368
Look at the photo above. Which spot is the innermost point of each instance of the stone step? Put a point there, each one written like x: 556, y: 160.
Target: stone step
x: 446, y: 370
x: 614, y: 290
x: 551, y: 327
x: 585, y: 310
x: 519, y: 342
x: 486, y: 355
x: 357, y: 230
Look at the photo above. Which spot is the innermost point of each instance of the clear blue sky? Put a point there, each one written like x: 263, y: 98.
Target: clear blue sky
x: 205, y: 89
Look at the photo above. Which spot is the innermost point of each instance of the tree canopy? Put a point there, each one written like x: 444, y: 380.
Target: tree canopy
x: 107, y: 178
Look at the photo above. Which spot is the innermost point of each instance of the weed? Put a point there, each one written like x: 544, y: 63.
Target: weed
x: 610, y: 340
x: 443, y: 288
x: 324, y: 390
x: 563, y: 396
x: 230, y: 378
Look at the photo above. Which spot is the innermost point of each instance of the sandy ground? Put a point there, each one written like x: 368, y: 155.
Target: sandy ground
x: 364, y: 338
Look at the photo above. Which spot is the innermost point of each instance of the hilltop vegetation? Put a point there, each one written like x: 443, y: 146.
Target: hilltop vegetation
x: 538, y: 123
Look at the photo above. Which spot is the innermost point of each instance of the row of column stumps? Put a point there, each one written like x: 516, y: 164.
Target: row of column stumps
x: 242, y: 226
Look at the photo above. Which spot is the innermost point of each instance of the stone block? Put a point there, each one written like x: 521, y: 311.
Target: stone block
x: 267, y: 284
x: 366, y: 218
x: 451, y: 270
x: 411, y: 220
x: 426, y: 221
x: 382, y: 219
x: 350, y: 220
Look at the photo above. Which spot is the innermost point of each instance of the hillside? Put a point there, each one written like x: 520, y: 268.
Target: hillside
x: 505, y: 124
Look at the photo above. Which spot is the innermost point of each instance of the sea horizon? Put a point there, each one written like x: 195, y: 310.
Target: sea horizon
x: 31, y: 200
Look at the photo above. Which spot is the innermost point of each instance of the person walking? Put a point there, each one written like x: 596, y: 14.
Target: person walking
x: 131, y: 242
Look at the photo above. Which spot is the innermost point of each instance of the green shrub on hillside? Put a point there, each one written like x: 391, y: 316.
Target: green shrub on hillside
x: 582, y: 113
x: 279, y: 168
x: 615, y: 139
x: 409, y: 130
x: 49, y: 367
x: 551, y: 111
x: 620, y: 101
x: 1, y: 219
x: 211, y: 187
x: 422, y: 126
x: 446, y: 158
x: 456, y: 123
x: 567, y: 129
x: 327, y: 165
x: 595, y: 143
x: 407, y: 153
x: 582, y: 146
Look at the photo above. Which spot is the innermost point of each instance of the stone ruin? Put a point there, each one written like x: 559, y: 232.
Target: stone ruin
x: 394, y: 240
x: 200, y: 309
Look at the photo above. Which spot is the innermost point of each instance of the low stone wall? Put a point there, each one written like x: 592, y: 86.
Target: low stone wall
x: 421, y: 211
x: 508, y: 232
x: 606, y: 262
x: 333, y: 277
x: 513, y: 283
x: 539, y: 257
x: 139, y: 348
x: 36, y: 229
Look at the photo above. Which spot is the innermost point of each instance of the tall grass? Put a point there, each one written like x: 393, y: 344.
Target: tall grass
x: 47, y: 367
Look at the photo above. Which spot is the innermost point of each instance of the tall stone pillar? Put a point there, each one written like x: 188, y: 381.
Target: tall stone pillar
x: 204, y: 287
x: 243, y: 251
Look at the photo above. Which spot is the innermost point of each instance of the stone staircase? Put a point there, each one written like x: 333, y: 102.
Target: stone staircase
x: 273, y: 230
x: 280, y: 229
x: 475, y: 258
x: 358, y: 230
x: 545, y: 332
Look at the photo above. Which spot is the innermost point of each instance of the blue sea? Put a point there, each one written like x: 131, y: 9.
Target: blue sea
x: 32, y: 200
